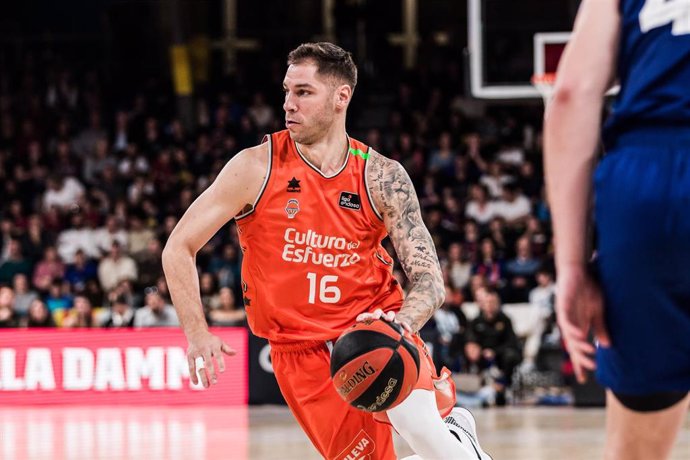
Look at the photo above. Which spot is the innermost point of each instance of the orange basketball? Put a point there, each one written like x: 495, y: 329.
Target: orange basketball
x: 374, y: 365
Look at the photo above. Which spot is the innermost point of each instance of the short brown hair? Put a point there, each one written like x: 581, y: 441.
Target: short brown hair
x: 331, y: 60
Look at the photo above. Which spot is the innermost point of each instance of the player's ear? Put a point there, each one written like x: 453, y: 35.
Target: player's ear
x: 343, y: 94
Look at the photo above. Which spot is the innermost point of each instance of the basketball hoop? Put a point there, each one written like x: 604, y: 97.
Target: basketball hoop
x: 544, y: 83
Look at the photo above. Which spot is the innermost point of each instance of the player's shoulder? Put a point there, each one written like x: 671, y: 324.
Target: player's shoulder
x: 385, y: 178
x: 245, y: 171
x: 256, y: 156
x: 381, y: 168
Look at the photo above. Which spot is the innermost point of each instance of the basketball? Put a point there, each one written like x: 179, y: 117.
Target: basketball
x: 374, y: 365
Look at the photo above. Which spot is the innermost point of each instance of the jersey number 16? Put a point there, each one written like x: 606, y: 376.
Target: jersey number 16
x: 327, y: 294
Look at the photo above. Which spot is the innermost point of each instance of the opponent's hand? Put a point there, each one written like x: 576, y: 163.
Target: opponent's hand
x: 379, y: 314
x: 204, y: 348
x: 579, y: 308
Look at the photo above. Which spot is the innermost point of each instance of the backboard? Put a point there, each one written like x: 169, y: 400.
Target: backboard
x: 511, y: 41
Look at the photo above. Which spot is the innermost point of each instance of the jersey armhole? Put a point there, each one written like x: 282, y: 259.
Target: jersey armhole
x: 366, y: 185
x: 269, y: 139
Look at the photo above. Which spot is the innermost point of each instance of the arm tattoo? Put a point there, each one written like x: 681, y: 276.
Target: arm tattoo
x: 395, y: 197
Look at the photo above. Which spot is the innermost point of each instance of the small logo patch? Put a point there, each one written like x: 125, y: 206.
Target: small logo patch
x: 293, y: 185
x: 349, y: 200
x: 361, y: 447
x: 292, y: 208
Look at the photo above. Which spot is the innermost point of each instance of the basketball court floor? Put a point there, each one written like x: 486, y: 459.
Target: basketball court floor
x: 270, y: 433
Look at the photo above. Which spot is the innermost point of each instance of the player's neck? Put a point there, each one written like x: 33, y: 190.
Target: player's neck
x: 328, y: 153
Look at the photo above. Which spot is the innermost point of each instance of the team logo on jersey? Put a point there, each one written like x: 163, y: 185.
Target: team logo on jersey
x: 293, y: 185
x: 349, y: 200
x: 292, y: 208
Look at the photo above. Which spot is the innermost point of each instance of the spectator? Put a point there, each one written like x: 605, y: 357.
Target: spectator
x: 442, y: 161
x: 116, y: 267
x: 7, y: 234
x: 207, y: 289
x: 8, y: 317
x: 541, y: 300
x: 470, y: 245
x: 79, y: 273
x: 492, y: 344
x: 448, y: 323
x: 480, y: 208
x: 539, y: 239
x: 459, y: 269
x: 226, y: 267
x: 59, y: 297
x: 39, y: 315
x: 139, y: 236
x: 81, y: 315
x: 121, y: 136
x: 511, y: 156
x: 23, y: 295
x: 63, y: 192
x: 139, y: 191
x: 155, y: 313
x: 520, y: 271
x: 477, y: 284
x: 514, y: 207
x: 36, y: 239
x: 93, y: 292
x: 14, y: 264
x: 261, y: 113
x: 529, y: 182
x: 149, y: 263
x: 489, y: 266
x: 224, y: 311
x: 495, y: 180
x: 134, y: 164
x: 16, y: 213
x: 109, y: 233
x: 77, y: 237
x: 121, y: 314
x: 85, y: 141
x: 48, y: 269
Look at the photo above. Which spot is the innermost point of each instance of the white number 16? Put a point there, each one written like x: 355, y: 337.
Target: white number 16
x: 327, y: 294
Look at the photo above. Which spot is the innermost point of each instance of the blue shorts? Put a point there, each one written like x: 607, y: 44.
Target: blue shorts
x: 642, y: 199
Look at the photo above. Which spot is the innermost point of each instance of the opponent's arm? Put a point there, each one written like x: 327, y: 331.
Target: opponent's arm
x: 236, y: 187
x: 571, y: 134
x: 394, y: 196
x: 572, y: 122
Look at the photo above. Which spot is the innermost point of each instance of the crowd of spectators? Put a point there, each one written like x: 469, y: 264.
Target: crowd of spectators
x: 93, y: 188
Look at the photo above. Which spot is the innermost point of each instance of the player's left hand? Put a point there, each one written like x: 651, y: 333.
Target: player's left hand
x: 579, y: 309
x: 379, y: 314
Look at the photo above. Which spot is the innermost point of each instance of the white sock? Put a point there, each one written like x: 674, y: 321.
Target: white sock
x: 417, y: 420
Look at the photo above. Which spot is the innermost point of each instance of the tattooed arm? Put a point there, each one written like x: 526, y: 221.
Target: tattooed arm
x: 395, y: 199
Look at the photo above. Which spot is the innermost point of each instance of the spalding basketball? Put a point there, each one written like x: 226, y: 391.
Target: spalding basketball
x: 374, y: 365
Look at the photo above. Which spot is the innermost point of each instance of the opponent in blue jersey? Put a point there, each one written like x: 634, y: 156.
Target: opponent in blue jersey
x: 639, y: 309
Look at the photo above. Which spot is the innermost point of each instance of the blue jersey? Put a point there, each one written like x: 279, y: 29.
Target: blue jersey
x: 654, y: 70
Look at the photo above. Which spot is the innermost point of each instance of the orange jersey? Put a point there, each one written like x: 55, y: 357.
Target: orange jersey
x: 312, y: 250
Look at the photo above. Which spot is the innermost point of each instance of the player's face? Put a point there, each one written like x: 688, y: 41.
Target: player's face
x: 309, y: 103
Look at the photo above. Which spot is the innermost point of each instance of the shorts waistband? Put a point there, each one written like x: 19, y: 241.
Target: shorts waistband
x: 297, y: 346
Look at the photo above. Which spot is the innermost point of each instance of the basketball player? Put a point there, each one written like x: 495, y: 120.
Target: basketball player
x: 640, y: 316
x: 312, y: 206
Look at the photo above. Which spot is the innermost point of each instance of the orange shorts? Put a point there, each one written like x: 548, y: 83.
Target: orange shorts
x: 336, y: 429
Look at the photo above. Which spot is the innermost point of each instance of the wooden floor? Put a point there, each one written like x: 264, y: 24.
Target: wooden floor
x: 270, y: 433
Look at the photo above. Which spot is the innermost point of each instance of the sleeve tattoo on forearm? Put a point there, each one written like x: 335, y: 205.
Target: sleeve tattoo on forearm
x: 396, y: 200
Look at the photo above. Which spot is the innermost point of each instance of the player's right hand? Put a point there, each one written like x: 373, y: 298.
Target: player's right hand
x: 204, y: 349
x: 579, y: 309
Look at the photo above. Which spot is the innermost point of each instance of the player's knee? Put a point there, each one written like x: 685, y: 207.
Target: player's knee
x: 650, y: 402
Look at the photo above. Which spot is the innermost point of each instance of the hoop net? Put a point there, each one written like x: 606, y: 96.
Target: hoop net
x: 544, y: 84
